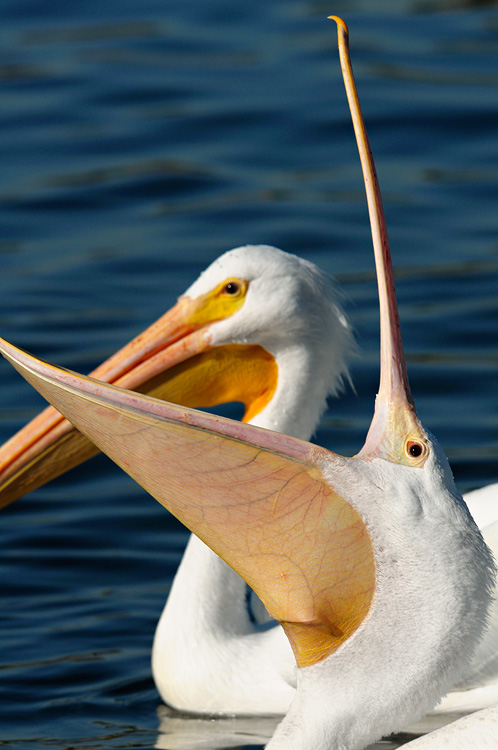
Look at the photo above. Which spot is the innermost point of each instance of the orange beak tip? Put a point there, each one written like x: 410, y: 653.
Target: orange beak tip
x: 340, y: 23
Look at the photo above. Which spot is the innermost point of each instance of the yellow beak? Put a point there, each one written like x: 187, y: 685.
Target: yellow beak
x: 172, y: 360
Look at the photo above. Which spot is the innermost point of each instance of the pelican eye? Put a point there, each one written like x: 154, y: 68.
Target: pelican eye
x: 415, y: 449
x: 232, y: 287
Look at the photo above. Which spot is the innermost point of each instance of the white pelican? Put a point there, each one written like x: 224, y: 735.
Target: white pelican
x: 372, y: 565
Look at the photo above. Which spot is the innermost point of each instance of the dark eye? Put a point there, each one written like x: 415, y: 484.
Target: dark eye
x: 231, y: 287
x: 415, y: 449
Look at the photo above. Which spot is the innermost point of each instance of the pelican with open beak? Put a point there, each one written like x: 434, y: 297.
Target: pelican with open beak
x: 372, y: 564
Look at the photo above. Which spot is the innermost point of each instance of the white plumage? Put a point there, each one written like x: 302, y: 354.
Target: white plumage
x: 478, y: 687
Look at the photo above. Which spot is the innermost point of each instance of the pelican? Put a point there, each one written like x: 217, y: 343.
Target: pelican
x: 372, y: 565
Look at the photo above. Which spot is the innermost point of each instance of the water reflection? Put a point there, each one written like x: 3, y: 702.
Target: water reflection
x: 181, y: 731
x: 178, y: 731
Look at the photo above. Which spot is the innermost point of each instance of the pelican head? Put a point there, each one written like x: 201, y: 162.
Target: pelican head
x: 289, y: 308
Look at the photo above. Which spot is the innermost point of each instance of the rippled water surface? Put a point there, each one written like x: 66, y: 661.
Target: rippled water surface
x: 139, y: 140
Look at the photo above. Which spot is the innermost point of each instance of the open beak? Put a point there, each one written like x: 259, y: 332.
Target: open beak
x: 173, y: 360
x: 268, y: 504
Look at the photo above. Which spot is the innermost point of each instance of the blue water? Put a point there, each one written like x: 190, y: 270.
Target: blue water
x: 139, y: 140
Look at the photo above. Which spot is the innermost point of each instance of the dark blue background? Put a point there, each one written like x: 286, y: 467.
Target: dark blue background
x: 138, y: 141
